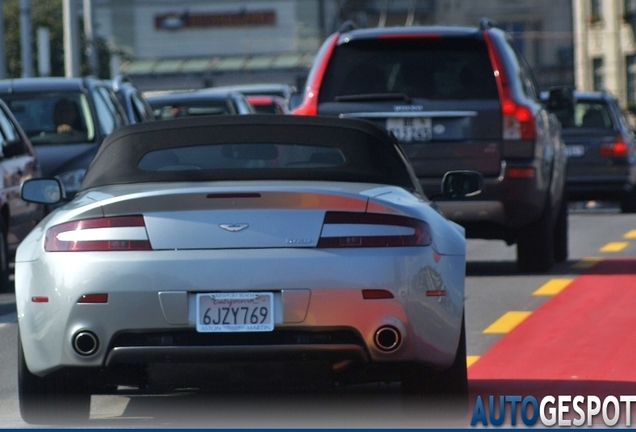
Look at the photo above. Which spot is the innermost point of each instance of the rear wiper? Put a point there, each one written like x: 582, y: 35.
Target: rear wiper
x: 374, y: 97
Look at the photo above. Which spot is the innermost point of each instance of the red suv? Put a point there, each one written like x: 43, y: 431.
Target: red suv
x: 457, y: 98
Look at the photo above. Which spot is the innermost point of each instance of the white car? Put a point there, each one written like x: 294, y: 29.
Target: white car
x: 256, y: 241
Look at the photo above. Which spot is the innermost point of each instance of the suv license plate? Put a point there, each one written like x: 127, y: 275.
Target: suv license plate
x: 235, y: 312
x: 574, y: 150
x: 410, y: 128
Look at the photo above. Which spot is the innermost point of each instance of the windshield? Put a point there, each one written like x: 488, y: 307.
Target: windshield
x: 54, y: 118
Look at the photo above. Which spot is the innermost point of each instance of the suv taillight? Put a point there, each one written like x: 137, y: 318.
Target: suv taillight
x: 517, y: 119
x: 614, y: 149
x: 120, y: 233
x: 309, y: 105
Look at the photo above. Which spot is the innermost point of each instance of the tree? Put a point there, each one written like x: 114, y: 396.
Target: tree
x: 44, y: 13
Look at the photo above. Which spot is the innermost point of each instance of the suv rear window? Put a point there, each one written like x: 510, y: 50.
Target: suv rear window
x: 431, y: 68
x: 592, y: 114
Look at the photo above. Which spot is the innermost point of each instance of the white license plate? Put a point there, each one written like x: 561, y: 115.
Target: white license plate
x: 235, y: 312
x: 410, y: 128
x: 574, y: 150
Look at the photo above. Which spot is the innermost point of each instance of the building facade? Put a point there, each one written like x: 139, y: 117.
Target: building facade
x: 196, y: 43
x: 605, y: 52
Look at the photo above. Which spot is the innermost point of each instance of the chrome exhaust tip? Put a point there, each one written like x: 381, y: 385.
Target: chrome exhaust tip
x: 387, y: 338
x: 85, y: 342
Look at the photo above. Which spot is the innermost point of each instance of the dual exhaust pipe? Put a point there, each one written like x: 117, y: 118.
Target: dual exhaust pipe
x: 386, y: 338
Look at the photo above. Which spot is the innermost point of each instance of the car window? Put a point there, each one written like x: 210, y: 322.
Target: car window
x: 446, y: 68
x: 105, y: 112
x: 139, y: 109
x: 592, y: 114
x: 190, y: 108
x: 53, y: 118
x: 243, y: 106
x: 8, y: 129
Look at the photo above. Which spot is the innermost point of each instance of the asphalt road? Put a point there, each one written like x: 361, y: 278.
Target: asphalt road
x: 508, y: 317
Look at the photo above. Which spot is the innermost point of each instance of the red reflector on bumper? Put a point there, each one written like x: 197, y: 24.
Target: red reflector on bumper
x: 373, y: 294
x: 435, y: 293
x: 40, y: 299
x: 93, y: 298
x: 520, y: 172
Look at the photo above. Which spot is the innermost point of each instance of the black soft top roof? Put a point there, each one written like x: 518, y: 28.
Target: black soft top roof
x: 373, y: 154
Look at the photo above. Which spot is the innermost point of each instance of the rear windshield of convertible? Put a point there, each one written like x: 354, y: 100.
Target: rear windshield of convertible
x: 245, y: 156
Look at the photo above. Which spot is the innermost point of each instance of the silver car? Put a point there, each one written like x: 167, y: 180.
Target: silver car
x: 239, y: 241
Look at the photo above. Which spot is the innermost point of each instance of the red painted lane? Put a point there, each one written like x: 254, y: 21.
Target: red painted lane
x: 587, y: 332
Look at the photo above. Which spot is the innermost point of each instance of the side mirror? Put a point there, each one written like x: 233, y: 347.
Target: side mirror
x: 42, y: 191
x: 462, y: 184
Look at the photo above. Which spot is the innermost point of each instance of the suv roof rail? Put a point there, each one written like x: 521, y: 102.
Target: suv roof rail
x: 347, y: 26
x: 486, y: 23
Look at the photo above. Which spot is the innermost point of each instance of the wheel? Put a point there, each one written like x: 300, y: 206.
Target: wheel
x: 53, y: 399
x: 4, y: 258
x: 628, y: 203
x: 422, y: 380
x: 535, y: 246
x: 561, y: 233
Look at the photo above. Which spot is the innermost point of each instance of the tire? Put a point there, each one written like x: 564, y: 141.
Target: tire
x: 561, y: 233
x: 535, y: 246
x: 53, y: 399
x: 421, y: 380
x: 628, y: 202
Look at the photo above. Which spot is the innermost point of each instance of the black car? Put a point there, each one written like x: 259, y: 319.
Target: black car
x: 66, y: 119
x: 18, y: 163
x: 457, y: 98
x: 601, y: 147
x: 172, y: 104
x: 137, y: 108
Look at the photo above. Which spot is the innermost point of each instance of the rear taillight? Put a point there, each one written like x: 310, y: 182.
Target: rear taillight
x: 517, y: 119
x: 121, y: 233
x: 614, y: 149
x: 345, y: 229
x: 309, y: 105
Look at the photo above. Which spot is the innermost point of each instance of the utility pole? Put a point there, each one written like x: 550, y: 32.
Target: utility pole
x: 25, y: 39
x: 3, y: 51
x: 71, y: 39
x: 89, y: 31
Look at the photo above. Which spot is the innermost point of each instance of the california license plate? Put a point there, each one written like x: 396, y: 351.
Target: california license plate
x: 235, y: 312
x: 410, y: 129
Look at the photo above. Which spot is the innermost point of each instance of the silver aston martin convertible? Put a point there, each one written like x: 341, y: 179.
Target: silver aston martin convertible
x: 299, y: 246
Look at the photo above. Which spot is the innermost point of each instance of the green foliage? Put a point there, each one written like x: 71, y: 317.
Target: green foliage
x: 44, y: 13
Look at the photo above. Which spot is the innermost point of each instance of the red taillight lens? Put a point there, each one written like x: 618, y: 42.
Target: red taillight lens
x: 615, y: 149
x: 121, y: 233
x: 345, y: 229
x: 517, y: 120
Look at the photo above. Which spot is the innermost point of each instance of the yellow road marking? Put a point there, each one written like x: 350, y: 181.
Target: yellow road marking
x: 586, y: 262
x: 471, y: 359
x: 614, y: 247
x: 507, y: 322
x: 630, y: 234
x: 552, y: 287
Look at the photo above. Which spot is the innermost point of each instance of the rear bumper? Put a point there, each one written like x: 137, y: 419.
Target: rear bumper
x: 319, y: 309
x: 505, y: 205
